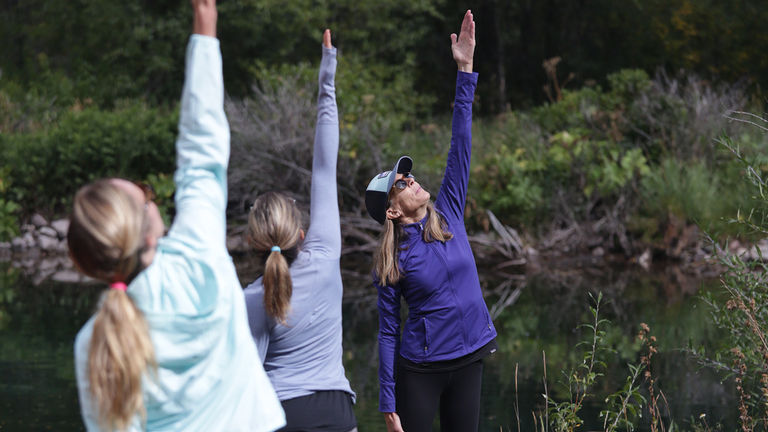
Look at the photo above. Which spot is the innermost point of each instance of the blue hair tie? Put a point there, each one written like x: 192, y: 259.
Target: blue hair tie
x: 275, y: 248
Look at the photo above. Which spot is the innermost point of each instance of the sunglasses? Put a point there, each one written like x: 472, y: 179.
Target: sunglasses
x: 148, y: 190
x: 402, y: 184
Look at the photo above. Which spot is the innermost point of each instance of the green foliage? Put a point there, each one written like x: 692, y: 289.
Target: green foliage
x: 112, y: 50
x: 741, y: 310
x: 694, y: 192
x: 628, y: 84
x: 8, y: 277
x: 9, y: 224
x: 48, y: 165
x: 164, y: 188
x: 564, y: 416
x: 108, y: 49
x: 623, y: 408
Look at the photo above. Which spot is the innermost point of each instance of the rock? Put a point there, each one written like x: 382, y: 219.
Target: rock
x: 762, y: 247
x: 48, y: 232
x: 47, y: 264
x: 41, y: 275
x: 530, y: 252
x: 29, y: 240
x: 62, y: 247
x: 18, y: 244
x: 61, y: 226
x: 645, y: 259
x: 598, y: 252
x: 27, y: 228
x: 26, y: 263
x: 38, y: 220
x: 48, y: 243
x: 68, y: 276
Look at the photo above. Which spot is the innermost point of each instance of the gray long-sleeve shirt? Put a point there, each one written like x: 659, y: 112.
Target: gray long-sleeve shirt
x: 305, y: 355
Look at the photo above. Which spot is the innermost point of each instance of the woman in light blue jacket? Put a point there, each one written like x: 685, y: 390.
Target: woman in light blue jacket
x: 295, y: 309
x: 169, y: 346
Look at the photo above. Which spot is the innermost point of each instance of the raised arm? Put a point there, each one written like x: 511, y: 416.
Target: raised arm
x: 453, y: 191
x: 202, y: 147
x: 324, y: 235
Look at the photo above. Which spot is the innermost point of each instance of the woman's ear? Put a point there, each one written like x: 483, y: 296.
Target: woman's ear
x: 150, y: 247
x: 393, y: 213
x: 302, y: 234
x: 150, y: 241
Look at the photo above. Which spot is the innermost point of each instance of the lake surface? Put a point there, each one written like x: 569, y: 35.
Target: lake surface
x: 533, y: 314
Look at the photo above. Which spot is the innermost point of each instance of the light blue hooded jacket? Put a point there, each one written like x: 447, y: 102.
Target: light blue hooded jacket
x: 209, y: 376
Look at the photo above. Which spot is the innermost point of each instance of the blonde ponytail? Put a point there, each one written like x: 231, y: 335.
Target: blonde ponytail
x: 105, y: 241
x: 120, y: 353
x: 278, y: 286
x: 274, y: 220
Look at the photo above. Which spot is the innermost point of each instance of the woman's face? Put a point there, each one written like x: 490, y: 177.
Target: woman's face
x: 410, y: 201
x: 156, y: 227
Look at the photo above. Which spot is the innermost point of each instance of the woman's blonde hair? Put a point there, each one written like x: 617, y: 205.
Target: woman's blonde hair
x: 385, y: 267
x: 274, y: 220
x: 106, y: 240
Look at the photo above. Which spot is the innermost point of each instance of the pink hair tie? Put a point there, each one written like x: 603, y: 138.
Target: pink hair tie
x: 118, y: 286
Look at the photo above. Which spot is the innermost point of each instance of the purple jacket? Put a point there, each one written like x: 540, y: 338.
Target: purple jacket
x: 447, y: 316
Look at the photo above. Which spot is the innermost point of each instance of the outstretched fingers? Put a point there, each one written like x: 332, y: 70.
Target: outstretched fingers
x: 463, y: 45
x: 468, y: 25
x: 327, y: 38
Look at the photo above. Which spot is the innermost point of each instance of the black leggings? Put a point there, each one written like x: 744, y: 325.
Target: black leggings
x: 457, y: 394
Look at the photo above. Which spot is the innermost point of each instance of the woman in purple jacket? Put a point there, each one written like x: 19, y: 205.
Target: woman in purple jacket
x: 424, y: 256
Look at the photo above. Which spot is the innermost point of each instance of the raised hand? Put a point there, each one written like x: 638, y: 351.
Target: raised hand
x: 205, y: 17
x: 327, y: 38
x: 463, y: 45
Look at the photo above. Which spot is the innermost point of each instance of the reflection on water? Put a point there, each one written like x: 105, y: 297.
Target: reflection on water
x: 532, y: 314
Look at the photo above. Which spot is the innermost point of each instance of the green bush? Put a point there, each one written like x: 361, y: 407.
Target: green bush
x: 9, y: 224
x: 47, y: 166
x: 695, y: 192
x: 740, y: 309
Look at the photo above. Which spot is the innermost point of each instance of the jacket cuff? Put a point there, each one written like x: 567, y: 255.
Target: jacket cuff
x: 387, y: 398
x: 465, y: 86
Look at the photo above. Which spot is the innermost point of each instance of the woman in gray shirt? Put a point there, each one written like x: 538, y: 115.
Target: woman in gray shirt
x: 294, y: 309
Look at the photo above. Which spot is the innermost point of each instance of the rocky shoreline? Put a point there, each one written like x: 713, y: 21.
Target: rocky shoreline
x: 40, y: 252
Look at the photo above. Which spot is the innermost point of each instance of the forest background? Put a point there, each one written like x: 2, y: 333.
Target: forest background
x: 595, y: 131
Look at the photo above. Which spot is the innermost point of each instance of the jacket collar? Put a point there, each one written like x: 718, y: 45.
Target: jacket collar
x: 416, y: 228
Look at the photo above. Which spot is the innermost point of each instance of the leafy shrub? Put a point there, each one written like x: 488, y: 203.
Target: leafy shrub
x: 9, y: 225
x: 47, y: 166
x: 164, y: 188
x: 694, y: 192
x: 741, y: 308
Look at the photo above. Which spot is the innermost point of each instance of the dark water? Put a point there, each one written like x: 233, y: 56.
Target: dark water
x: 38, y: 325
